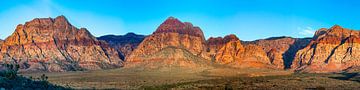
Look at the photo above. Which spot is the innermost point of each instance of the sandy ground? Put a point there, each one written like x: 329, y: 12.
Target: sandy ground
x: 136, y: 79
x: 211, y: 78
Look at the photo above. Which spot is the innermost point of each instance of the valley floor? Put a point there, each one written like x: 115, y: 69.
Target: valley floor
x: 218, y: 78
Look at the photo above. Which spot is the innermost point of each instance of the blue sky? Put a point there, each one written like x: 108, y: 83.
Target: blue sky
x: 248, y: 19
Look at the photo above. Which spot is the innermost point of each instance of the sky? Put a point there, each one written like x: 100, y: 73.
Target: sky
x: 248, y: 19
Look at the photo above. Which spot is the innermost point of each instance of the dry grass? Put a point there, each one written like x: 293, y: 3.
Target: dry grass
x: 211, y: 78
x: 135, y: 79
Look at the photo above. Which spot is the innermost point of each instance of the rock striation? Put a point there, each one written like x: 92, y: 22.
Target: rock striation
x: 174, y: 42
x: 215, y: 44
x: 281, y: 50
x: 54, y: 45
x: 236, y: 54
x: 330, y: 50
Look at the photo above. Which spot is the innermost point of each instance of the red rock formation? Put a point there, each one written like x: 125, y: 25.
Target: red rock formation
x: 173, y: 25
x: 281, y: 50
x: 330, y: 50
x: 172, y: 35
x: 46, y: 44
x: 235, y: 54
x: 215, y: 44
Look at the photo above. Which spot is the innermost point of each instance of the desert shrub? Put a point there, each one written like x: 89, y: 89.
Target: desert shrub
x: 10, y: 80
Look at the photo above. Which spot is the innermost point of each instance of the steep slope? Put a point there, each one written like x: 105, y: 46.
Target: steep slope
x: 281, y: 50
x: 172, y: 35
x: 124, y: 44
x: 235, y: 54
x: 215, y: 44
x: 47, y: 44
x: 330, y: 50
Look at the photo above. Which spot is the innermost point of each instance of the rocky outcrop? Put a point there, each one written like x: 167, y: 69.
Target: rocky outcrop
x: 47, y: 44
x: 124, y: 44
x: 235, y: 54
x: 330, y: 50
x: 173, y: 42
x: 281, y: 50
x: 215, y: 44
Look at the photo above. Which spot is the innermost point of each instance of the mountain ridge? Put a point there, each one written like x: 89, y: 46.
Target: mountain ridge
x: 53, y: 45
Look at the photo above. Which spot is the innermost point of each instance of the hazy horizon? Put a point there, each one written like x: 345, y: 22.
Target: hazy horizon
x: 248, y: 19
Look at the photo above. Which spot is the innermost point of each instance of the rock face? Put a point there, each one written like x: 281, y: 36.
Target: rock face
x: 235, y: 54
x: 174, y: 42
x: 330, y: 50
x: 47, y: 44
x: 215, y: 44
x: 124, y: 44
x: 281, y: 50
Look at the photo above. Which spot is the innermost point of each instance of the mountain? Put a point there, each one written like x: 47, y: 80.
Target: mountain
x: 237, y: 54
x: 124, y: 44
x: 174, y: 43
x: 54, y: 45
x: 281, y: 50
x: 215, y: 44
x: 330, y: 50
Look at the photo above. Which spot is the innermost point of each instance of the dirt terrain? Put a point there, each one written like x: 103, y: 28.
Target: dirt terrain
x: 212, y: 78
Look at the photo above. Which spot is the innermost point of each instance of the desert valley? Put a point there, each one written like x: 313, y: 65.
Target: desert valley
x: 177, y: 56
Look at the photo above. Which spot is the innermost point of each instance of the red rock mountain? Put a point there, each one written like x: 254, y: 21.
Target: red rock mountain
x: 215, y: 44
x: 174, y: 43
x: 281, y: 50
x: 47, y: 44
x: 330, y: 50
x: 236, y: 54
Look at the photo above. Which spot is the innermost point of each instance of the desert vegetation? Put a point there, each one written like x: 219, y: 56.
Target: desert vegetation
x: 9, y: 79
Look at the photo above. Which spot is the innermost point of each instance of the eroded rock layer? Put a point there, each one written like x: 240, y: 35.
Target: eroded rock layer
x: 281, y: 50
x: 330, y: 50
x: 215, y: 44
x: 47, y: 44
x: 235, y: 54
x: 172, y: 35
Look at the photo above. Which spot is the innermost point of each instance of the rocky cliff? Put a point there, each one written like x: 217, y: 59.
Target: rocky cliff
x: 281, y: 50
x: 330, y: 50
x: 53, y: 44
x: 174, y: 43
x: 236, y: 54
x: 124, y: 44
x: 215, y: 44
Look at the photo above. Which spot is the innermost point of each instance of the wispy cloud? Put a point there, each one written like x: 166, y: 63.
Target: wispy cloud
x: 308, y: 31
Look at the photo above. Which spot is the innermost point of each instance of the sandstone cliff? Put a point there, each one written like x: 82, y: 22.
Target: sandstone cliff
x: 47, y: 44
x: 215, y: 44
x: 281, y: 50
x: 174, y: 43
x: 124, y: 44
x: 235, y: 54
x: 330, y: 50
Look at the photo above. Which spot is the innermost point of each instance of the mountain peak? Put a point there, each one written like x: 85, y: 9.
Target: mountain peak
x: 173, y: 25
x: 171, y: 17
x: 172, y: 21
x: 231, y: 37
x: 61, y: 20
x: 336, y: 27
x: 130, y: 34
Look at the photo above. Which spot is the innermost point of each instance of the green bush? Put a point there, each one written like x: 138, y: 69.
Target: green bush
x: 10, y: 80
